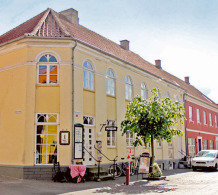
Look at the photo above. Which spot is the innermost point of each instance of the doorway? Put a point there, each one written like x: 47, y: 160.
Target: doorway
x: 199, y: 143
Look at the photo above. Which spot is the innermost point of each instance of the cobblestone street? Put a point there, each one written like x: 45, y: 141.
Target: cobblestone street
x: 177, y: 182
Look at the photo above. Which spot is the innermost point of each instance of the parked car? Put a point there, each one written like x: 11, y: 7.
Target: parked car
x: 205, y: 159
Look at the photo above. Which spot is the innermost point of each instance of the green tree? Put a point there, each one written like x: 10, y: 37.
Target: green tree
x: 153, y: 119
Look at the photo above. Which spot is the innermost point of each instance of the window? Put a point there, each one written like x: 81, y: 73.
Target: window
x: 190, y: 113
x: 211, y: 144
x: 46, y: 138
x: 143, y: 91
x: 128, y: 88
x: 205, y: 144
x: 215, y: 121
x: 205, y: 118
x: 191, y: 147
x: 111, y: 135
x: 168, y: 95
x: 47, y: 70
x: 170, y: 144
x: 129, y: 139
x: 88, y: 120
x: 88, y: 76
x: 110, y: 82
x: 210, y: 119
x: 159, y: 144
x: 198, y: 115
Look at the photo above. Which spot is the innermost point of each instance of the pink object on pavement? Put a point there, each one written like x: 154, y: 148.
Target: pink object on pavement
x: 77, y: 171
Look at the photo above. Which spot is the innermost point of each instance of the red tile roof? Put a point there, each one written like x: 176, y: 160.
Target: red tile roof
x: 52, y: 24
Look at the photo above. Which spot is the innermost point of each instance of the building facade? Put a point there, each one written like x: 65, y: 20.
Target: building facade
x: 55, y: 73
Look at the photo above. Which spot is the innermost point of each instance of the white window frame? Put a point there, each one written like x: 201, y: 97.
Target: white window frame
x: 46, y: 124
x: 191, y: 147
x: 215, y: 118
x: 198, y: 115
x: 205, y: 144
x: 128, y: 88
x: 88, y: 76
x: 110, y: 133
x: 90, y: 119
x: 211, y: 144
x: 144, y: 91
x: 205, y: 118
x: 129, y: 140
x: 190, y: 113
x: 47, y: 65
x: 210, y: 119
x: 110, y: 82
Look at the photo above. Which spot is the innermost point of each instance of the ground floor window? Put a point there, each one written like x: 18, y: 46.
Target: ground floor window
x: 211, y: 144
x: 111, y: 135
x: 46, y: 138
x: 191, y: 146
x: 205, y: 144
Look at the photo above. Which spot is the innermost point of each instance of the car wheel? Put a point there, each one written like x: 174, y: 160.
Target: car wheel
x: 194, y: 168
x: 215, y: 167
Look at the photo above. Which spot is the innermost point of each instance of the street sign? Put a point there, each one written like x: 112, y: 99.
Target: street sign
x: 111, y: 128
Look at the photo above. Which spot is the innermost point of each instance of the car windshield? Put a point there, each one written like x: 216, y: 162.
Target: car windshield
x: 206, y: 154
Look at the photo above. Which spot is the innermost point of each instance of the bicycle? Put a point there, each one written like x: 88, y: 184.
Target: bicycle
x: 115, y: 169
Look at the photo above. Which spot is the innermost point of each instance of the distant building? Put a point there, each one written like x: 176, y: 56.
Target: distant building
x: 55, y: 73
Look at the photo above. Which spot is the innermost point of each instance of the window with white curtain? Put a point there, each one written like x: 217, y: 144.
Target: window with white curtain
x: 198, y: 115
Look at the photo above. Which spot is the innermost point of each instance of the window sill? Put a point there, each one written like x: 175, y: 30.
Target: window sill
x: 47, y: 85
x: 111, y: 147
x: 112, y: 96
x: 93, y: 91
x: 130, y: 147
x: 191, y: 121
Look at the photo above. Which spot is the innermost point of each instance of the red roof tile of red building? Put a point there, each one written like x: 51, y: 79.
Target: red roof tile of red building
x: 51, y: 24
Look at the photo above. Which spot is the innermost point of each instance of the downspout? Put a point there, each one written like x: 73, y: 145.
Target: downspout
x: 186, y: 141
x: 73, y: 57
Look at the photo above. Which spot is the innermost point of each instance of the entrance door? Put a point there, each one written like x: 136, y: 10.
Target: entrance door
x: 199, y: 144
x: 216, y: 143
x: 89, y: 142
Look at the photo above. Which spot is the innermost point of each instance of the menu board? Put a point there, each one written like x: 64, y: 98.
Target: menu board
x: 144, y: 165
x: 78, y: 141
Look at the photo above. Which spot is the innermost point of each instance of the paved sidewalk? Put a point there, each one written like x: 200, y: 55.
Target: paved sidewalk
x: 11, y: 186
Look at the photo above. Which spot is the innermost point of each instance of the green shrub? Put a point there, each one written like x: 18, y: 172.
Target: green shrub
x: 156, y: 171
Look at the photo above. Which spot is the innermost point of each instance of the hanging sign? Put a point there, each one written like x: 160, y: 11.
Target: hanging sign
x: 111, y: 128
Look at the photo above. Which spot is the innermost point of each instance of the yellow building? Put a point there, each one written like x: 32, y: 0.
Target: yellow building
x: 55, y: 73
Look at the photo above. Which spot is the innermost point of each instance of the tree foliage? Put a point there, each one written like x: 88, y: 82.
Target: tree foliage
x: 153, y: 119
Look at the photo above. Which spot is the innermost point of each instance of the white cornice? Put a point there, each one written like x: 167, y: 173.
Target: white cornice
x: 204, y: 132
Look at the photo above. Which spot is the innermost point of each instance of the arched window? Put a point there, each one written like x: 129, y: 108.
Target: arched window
x: 128, y: 88
x: 88, y: 77
x: 110, y: 82
x: 47, y: 70
x: 143, y: 91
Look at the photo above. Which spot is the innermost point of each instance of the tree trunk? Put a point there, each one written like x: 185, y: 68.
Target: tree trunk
x: 152, y: 150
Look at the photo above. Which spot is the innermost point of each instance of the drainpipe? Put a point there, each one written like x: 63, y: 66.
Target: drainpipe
x: 73, y: 49
x: 186, y: 141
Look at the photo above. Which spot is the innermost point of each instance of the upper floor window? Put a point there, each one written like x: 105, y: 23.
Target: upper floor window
x: 128, y: 88
x: 190, y: 113
x: 47, y: 70
x: 143, y: 91
x: 88, y: 76
x: 205, y: 118
x: 88, y: 120
x: 215, y: 121
x: 110, y: 82
x: 210, y: 119
x: 198, y: 116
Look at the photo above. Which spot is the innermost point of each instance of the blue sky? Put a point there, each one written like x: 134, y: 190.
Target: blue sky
x: 183, y: 34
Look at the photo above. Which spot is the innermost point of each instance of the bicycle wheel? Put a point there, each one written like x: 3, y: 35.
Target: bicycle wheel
x: 117, y: 172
